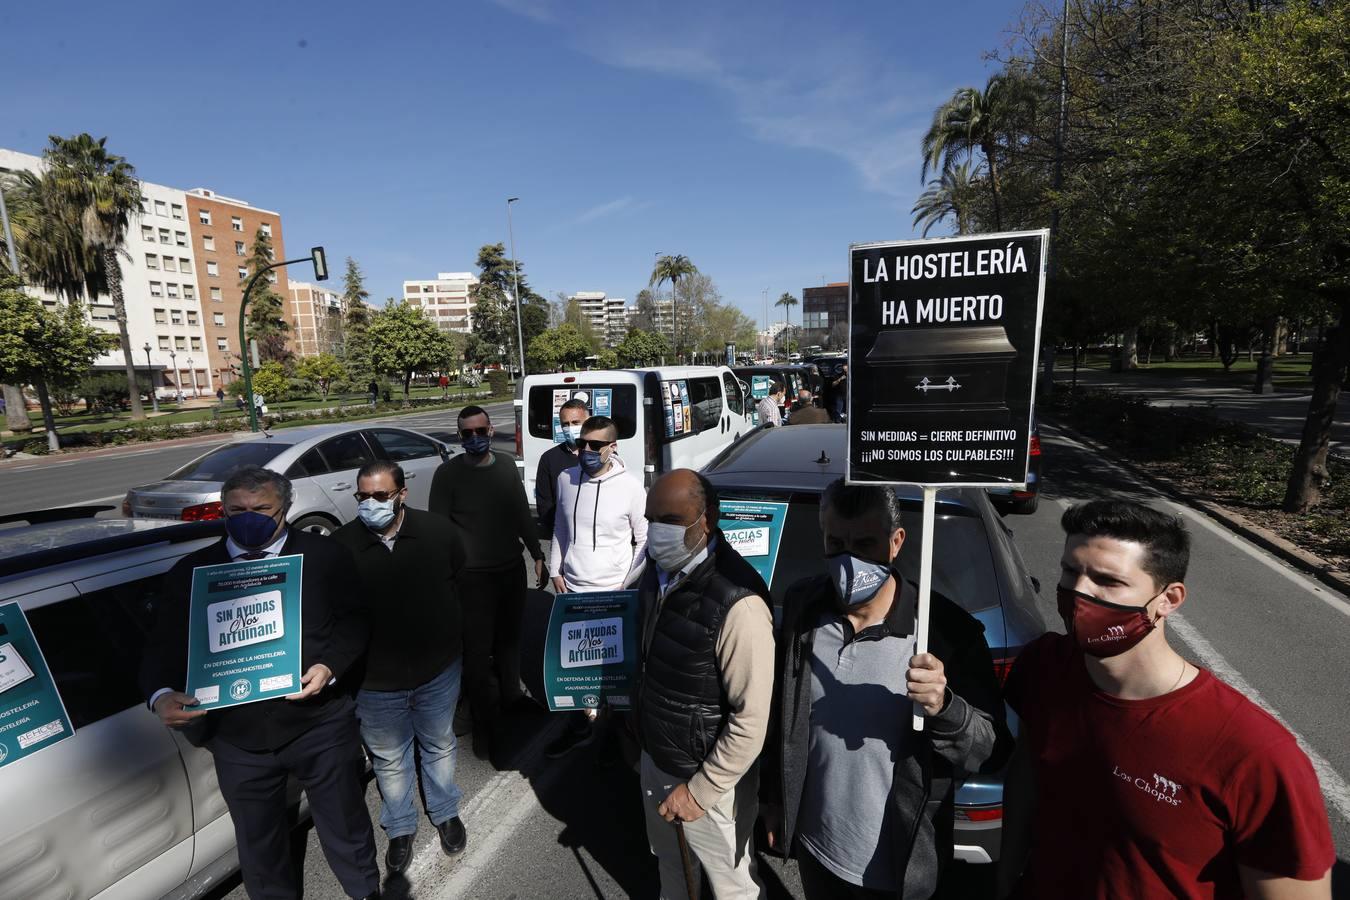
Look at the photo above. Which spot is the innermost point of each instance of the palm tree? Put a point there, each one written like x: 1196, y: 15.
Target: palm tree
x: 787, y: 301
x: 974, y: 120
x: 672, y: 269
x: 950, y: 195
x: 101, y: 189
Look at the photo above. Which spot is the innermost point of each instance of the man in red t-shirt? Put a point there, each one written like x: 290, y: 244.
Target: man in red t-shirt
x: 1138, y: 774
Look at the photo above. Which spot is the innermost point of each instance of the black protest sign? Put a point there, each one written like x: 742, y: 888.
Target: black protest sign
x: 943, y: 339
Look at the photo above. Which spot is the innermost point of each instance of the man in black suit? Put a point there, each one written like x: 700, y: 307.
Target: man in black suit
x: 311, y: 734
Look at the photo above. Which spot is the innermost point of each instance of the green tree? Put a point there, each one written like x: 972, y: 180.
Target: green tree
x: 606, y: 359
x: 321, y: 370
x: 672, y: 268
x: 563, y: 346
x: 493, y: 316
x: 404, y: 341
x: 573, y: 315
x: 646, y: 312
x: 272, y: 382
x: 44, y: 347
x: 642, y: 348
x: 266, y: 310
x: 355, y: 322
x: 951, y: 195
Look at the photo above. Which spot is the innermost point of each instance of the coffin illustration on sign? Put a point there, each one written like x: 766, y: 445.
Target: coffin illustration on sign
x: 942, y: 368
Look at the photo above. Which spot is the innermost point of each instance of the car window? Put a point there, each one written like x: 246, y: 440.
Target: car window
x: 401, y: 445
x: 346, y: 451
x: 733, y: 388
x: 93, y: 644
x: 705, y: 398
x: 311, y: 463
x: 545, y: 399
x: 220, y: 463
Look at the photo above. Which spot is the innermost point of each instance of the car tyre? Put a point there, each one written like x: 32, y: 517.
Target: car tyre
x: 1026, y: 507
x: 315, y: 525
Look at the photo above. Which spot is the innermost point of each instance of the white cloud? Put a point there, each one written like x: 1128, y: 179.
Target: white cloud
x: 538, y: 10
x: 603, y: 210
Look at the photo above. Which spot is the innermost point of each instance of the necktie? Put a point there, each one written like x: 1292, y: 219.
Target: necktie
x: 256, y: 554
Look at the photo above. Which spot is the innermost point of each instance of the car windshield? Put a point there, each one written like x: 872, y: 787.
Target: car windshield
x: 218, y: 464
x: 963, y: 565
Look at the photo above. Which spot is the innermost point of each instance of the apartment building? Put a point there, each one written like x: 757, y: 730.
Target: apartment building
x: 608, y: 316
x: 222, y: 231
x: 447, y: 299
x: 315, y: 315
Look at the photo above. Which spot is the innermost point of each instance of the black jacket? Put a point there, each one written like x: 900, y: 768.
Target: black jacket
x: 412, y: 598
x: 552, y: 463
x: 967, y: 736
x: 335, y: 634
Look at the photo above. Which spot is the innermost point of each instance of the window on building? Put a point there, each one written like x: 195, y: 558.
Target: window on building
x: 180, y: 238
x: 239, y: 248
x: 169, y: 264
x: 163, y: 342
x: 147, y: 233
x: 151, y: 261
x: 192, y: 317
x: 218, y: 319
x: 243, y: 273
x: 266, y: 228
x: 171, y: 290
x: 161, y: 208
x: 177, y: 211
x: 236, y: 223
x: 156, y: 289
x: 145, y: 206
x: 204, y: 216
x: 165, y: 237
x: 222, y: 343
x: 189, y: 292
x: 159, y: 317
x: 175, y: 317
x: 208, y: 242
x: 215, y: 291
x: 179, y: 342
x: 212, y: 269
x: 184, y: 265
x: 196, y: 343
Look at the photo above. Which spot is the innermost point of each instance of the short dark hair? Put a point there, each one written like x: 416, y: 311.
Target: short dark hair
x: 853, y: 501
x: 776, y: 388
x: 382, y: 467
x: 574, y: 403
x: 470, y: 411
x: 707, y: 495
x: 251, y: 478
x: 1166, y: 542
x: 599, y: 423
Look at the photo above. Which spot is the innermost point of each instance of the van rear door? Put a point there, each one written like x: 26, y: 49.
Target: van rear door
x: 540, y: 427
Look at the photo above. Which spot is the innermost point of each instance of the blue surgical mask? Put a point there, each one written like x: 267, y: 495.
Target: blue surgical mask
x: 477, y: 445
x: 856, y: 580
x: 571, y: 435
x: 592, y: 461
x: 377, y: 516
x: 251, y: 530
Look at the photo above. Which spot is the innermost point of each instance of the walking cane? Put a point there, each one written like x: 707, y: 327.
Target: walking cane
x: 690, y: 884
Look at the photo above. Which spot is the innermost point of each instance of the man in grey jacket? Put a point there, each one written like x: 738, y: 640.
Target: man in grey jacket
x: 863, y: 800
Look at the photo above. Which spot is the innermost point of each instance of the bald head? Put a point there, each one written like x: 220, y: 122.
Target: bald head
x: 677, y: 497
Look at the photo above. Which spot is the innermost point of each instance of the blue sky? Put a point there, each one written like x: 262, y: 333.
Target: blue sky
x: 757, y: 139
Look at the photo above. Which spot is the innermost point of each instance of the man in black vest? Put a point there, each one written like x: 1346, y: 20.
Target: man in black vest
x: 706, y: 683
x: 311, y: 734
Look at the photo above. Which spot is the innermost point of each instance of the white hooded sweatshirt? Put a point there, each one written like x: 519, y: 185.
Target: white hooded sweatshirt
x: 599, y: 529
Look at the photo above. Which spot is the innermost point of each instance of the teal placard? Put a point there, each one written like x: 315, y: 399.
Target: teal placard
x: 590, y: 654
x: 32, y: 714
x: 753, y: 528
x: 244, y: 639
x: 759, y: 386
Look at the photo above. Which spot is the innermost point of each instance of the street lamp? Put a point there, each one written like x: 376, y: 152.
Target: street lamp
x: 154, y: 395
x: 515, y: 284
x: 194, y: 378
x: 177, y: 382
x: 320, y: 261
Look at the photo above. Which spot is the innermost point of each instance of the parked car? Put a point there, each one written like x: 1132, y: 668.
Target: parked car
x: 1023, y: 501
x: 976, y: 564
x: 668, y: 417
x: 321, y: 461
x: 792, y: 377
x: 125, y: 809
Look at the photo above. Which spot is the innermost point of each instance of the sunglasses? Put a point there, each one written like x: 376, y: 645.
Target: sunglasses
x: 467, y: 433
x: 378, y: 496
x: 595, y: 445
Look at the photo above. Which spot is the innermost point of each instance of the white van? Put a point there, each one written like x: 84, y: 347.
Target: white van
x: 669, y: 417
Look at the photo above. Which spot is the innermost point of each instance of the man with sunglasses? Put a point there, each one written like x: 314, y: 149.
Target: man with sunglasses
x: 1137, y: 773
x: 481, y: 492
x: 410, y: 562
x: 599, y: 536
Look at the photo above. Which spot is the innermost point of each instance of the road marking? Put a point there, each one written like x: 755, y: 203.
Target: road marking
x: 1334, y: 787
x: 92, y: 502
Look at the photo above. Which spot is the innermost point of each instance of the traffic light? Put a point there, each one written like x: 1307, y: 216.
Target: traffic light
x: 320, y: 263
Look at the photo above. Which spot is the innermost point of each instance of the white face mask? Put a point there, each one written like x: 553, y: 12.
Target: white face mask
x: 377, y: 515
x: 666, y: 547
x: 571, y: 434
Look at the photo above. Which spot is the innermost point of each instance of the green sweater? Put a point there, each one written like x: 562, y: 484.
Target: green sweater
x: 488, y: 504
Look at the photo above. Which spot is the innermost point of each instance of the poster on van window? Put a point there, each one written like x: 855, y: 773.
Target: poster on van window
x: 944, y: 336
x: 759, y: 386
x: 32, y: 714
x: 244, y: 634
x: 590, y: 653
x: 675, y: 399
x: 686, y: 406
x: 600, y: 402
x: 753, y: 528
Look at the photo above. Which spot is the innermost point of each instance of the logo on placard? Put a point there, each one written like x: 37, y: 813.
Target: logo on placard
x: 4, y: 753
x: 240, y: 689
x: 590, y: 701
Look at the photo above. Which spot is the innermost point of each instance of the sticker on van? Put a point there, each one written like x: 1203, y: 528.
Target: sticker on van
x: 600, y: 401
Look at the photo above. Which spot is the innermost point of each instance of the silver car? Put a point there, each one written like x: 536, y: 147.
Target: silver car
x: 320, y: 460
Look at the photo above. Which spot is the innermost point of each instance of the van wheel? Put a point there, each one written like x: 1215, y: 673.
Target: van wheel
x: 315, y: 525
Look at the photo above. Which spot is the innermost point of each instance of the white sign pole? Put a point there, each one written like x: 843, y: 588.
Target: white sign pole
x: 925, y: 583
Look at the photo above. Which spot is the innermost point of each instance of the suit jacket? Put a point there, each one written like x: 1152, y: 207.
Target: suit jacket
x: 335, y: 631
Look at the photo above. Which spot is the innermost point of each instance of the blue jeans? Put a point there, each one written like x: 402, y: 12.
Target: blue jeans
x: 390, y: 721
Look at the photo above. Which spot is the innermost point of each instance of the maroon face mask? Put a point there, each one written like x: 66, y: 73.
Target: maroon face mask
x: 1102, y: 629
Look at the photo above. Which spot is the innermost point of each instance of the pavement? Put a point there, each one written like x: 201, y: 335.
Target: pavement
x: 1280, y: 414
x: 572, y: 828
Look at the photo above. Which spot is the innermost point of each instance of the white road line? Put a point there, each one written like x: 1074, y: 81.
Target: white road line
x: 1334, y: 787
x: 95, y: 500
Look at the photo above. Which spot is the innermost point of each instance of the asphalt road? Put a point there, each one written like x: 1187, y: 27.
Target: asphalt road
x: 573, y: 829
x: 106, y: 477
